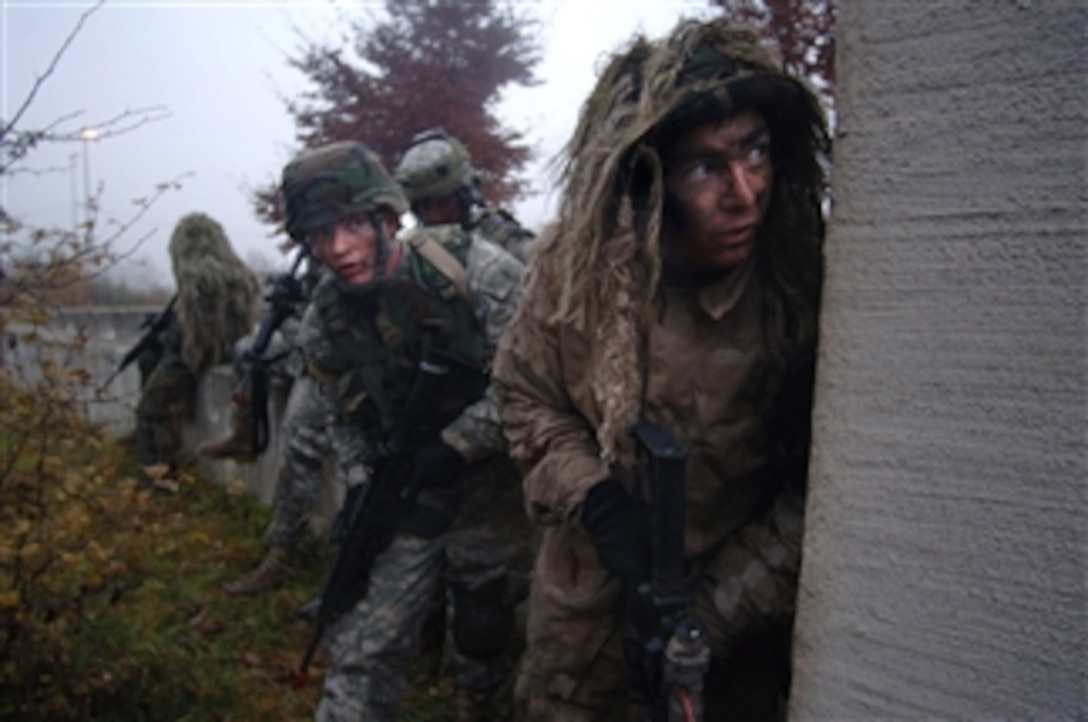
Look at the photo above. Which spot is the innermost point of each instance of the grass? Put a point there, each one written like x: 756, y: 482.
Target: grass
x: 110, y: 600
x: 188, y: 651
x: 168, y: 644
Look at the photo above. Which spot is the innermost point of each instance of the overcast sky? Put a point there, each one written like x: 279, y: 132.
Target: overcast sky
x: 219, y: 69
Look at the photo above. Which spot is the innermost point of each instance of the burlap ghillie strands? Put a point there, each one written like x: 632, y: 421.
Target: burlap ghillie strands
x: 218, y: 295
x: 604, y: 249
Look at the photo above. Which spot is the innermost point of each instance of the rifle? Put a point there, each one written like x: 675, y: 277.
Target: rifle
x: 252, y: 388
x: 372, y: 512
x: 662, y: 637
x: 155, y: 324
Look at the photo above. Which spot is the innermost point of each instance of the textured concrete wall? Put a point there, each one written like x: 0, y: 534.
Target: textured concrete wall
x: 110, y: 333
x: 946, y: 540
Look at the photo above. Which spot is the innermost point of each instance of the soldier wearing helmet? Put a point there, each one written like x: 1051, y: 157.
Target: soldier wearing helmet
x: 678, y: 287
x: 437, y: 176
x: 390, y: 302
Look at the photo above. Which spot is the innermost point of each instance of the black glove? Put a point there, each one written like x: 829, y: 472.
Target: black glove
x: 436, y: 464
x: 620, y: 530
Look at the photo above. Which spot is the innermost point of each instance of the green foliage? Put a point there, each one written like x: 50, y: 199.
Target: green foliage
x: 109, y: 593
x: 110, y: 601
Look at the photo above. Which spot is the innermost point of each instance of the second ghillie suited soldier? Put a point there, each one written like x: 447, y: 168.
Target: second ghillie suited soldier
x: 679, y: 286
x: 217, y: 303
x: 443, y: 187
x: 367, y: 336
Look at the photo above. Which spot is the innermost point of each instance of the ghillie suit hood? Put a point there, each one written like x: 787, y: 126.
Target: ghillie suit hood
x: 603, y: 253
x: 218, y: 295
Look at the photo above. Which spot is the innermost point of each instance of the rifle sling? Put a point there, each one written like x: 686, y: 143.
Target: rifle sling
x: 446, y: 263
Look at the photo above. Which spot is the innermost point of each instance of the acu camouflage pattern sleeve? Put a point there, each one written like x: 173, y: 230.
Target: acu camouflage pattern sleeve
x: 752, y: 582
x: 494, y: 280
x: 501, y: 228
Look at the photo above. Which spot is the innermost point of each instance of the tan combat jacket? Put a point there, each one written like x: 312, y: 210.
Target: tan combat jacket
x: 704, y: 372
x: 708, y: 379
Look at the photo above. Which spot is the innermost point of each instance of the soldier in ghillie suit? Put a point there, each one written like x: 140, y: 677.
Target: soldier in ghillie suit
x: 436, y: 174
x: 679, y: 286
x: 394, y: 309
x: 217, y: 301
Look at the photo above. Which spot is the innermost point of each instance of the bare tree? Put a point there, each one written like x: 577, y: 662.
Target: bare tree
x: 44, y: 264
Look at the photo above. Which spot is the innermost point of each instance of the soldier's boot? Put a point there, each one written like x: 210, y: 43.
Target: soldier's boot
x: 272, y: 571
x: 470, y: 705
x: 238, y: 446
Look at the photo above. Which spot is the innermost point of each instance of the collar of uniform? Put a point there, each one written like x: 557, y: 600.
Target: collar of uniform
x: 721, y: 297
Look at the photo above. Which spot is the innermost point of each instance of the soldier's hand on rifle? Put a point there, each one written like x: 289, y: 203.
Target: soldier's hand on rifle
x: 619, y: 528
x: 436, y: 464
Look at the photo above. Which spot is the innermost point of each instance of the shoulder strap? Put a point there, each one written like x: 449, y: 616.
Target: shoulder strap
x: 445, y: 262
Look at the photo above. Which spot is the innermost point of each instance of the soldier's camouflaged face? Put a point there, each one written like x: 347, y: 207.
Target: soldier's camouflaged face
x: 326, y: 184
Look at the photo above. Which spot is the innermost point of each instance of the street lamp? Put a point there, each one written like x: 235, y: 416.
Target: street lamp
x: 87, y: 134
x: 74, y: 191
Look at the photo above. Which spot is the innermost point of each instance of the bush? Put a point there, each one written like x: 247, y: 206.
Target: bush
x: 109, y: 600
x: 66, y: 522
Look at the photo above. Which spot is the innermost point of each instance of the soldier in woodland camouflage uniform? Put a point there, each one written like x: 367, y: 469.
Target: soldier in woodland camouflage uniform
x: 364, y: 336
x: 679, y: 286
x: 437, y: 176
x: 217, y: 304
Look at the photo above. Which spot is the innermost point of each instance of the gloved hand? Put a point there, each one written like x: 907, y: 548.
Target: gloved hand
x: 620, y: 530
x: 436, y: 464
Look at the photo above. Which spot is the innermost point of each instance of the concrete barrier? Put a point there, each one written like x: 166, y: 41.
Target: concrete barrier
x: 110, y: 332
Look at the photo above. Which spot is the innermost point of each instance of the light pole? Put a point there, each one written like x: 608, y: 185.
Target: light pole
x: 74, y: 190
x: 87, y: 134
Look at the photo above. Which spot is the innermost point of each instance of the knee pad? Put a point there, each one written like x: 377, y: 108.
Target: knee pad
x: 483, y: 622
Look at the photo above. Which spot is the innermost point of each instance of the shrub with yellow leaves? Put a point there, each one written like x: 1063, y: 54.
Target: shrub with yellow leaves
x: 65, y: 516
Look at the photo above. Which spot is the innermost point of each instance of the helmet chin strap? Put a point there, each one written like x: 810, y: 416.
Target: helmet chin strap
x: 465, y: 202
x: 381, y: 245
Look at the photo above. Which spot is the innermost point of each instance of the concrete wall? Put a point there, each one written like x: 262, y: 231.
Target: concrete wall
x: 111, y: 332
x: 947, y: 531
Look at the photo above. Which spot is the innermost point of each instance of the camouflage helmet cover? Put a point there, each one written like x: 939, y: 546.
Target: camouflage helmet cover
x: 325, y: 184
x: 705, y: 71
x: 436, y: 164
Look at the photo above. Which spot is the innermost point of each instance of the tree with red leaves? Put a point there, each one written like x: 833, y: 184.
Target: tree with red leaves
x: 426, y: 63
x: 804, y: 31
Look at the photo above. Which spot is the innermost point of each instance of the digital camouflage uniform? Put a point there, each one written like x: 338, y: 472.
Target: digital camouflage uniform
x: 607, y: 335
x: 303, y: 439
x: 500, y: 227
x: 303, y: 433
x: 363, y: 348
x: 437, y: 164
